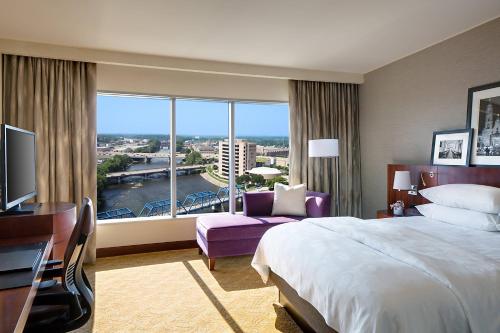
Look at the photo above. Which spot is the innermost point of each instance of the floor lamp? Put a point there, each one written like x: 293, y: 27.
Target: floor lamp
x: 327, y: 148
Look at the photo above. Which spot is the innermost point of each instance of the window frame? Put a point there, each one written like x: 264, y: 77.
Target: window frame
x: 231, y: 104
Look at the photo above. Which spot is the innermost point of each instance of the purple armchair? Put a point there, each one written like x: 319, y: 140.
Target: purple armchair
x: 224, y: 235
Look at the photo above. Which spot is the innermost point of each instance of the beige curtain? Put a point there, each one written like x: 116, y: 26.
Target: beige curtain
x: 56, y: 99
x: 323, y: 110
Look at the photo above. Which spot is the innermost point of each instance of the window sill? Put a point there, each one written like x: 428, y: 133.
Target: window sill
x: 156, y: 218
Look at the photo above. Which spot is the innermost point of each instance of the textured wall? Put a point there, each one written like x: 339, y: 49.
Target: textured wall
x: 404, y: 102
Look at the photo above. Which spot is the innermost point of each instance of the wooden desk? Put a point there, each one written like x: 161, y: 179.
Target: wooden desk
x: 51, y: 222
x: 15, y: 303
x: 57, y: 219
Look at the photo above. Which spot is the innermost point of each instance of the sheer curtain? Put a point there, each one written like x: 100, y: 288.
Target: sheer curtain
x: 56, y: 99
x: 322, y: 110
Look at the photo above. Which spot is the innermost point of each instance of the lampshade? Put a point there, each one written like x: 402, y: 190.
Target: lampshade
x: 402, y: 181
x: 324, y: 148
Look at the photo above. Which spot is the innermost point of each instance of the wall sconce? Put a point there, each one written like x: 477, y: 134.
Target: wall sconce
x: 431, y: 175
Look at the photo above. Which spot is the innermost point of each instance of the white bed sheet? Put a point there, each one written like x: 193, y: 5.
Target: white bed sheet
x: 392, y: 275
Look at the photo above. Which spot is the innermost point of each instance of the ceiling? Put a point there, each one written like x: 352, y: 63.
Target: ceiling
x: 351, y: 36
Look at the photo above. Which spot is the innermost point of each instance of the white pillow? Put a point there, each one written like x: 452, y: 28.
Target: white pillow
x: 481, y: 198
x: 461, y: 217
x: 289, y: 200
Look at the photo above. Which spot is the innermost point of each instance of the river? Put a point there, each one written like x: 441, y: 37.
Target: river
x: 134, y: 192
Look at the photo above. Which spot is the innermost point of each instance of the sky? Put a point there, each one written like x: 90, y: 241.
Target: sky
x: 136, y: 115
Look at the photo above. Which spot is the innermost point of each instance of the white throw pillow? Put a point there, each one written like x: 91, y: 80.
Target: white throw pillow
x: 289, y: 200
x: 461, y: 217
x: 481, y: 198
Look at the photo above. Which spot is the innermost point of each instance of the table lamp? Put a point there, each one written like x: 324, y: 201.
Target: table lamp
x: 402, y: 181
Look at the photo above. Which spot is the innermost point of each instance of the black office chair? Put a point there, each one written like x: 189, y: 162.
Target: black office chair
x: 66, y: 305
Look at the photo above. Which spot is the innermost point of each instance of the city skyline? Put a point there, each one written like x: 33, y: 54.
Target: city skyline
x: 195, y: 135
x: 139, y: 116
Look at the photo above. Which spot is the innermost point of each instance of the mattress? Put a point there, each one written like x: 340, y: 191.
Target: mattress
x: 408, y: 274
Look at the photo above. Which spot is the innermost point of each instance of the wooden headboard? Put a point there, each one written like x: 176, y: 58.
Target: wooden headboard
x: 432, y: 175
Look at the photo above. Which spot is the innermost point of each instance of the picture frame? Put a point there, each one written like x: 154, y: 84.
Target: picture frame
x: 483, y: 115
x: 452, y: 147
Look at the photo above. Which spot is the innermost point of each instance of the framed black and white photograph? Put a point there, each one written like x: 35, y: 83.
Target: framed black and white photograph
x: 452, y: 147
x: 483, y: 115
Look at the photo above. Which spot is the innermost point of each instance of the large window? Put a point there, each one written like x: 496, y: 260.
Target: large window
x: 133, y: 137
x: 201, y: 127
x: 261, y: 146
x: 134, y: 169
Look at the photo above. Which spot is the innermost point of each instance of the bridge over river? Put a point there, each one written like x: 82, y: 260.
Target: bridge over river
x: 117, y: 177
x: 191, y: 203
x: 138, y: 157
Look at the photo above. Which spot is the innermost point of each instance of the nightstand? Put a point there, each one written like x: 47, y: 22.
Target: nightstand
x: 384, y: 213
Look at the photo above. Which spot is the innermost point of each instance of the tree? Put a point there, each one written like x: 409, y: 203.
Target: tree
x: 194, y: 157
x: 270, y: 183
x: 243, y: 179
x: 179, y: 145
x: 153, y: 146
x: 115, y: 163
x: 257, y: 180
x: 283, y: 169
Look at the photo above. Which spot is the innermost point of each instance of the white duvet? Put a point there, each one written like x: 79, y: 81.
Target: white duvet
x: 392, y: 275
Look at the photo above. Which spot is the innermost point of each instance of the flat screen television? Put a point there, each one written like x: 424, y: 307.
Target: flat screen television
x: 18, y: 159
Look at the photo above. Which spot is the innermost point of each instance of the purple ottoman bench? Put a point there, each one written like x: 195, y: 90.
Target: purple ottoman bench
x: 225, y: 235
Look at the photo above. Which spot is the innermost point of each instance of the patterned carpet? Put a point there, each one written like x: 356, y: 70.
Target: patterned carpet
x: 173, y: 291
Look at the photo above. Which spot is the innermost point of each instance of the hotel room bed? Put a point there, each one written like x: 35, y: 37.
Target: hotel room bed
x: 408, y: 274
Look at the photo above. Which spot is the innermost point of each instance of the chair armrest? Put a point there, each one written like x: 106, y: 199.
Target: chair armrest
x: 53, y: 262
x: 318, y: 204
x: 54, y: 298
x: 52, y: 273
x: 60, y: 298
